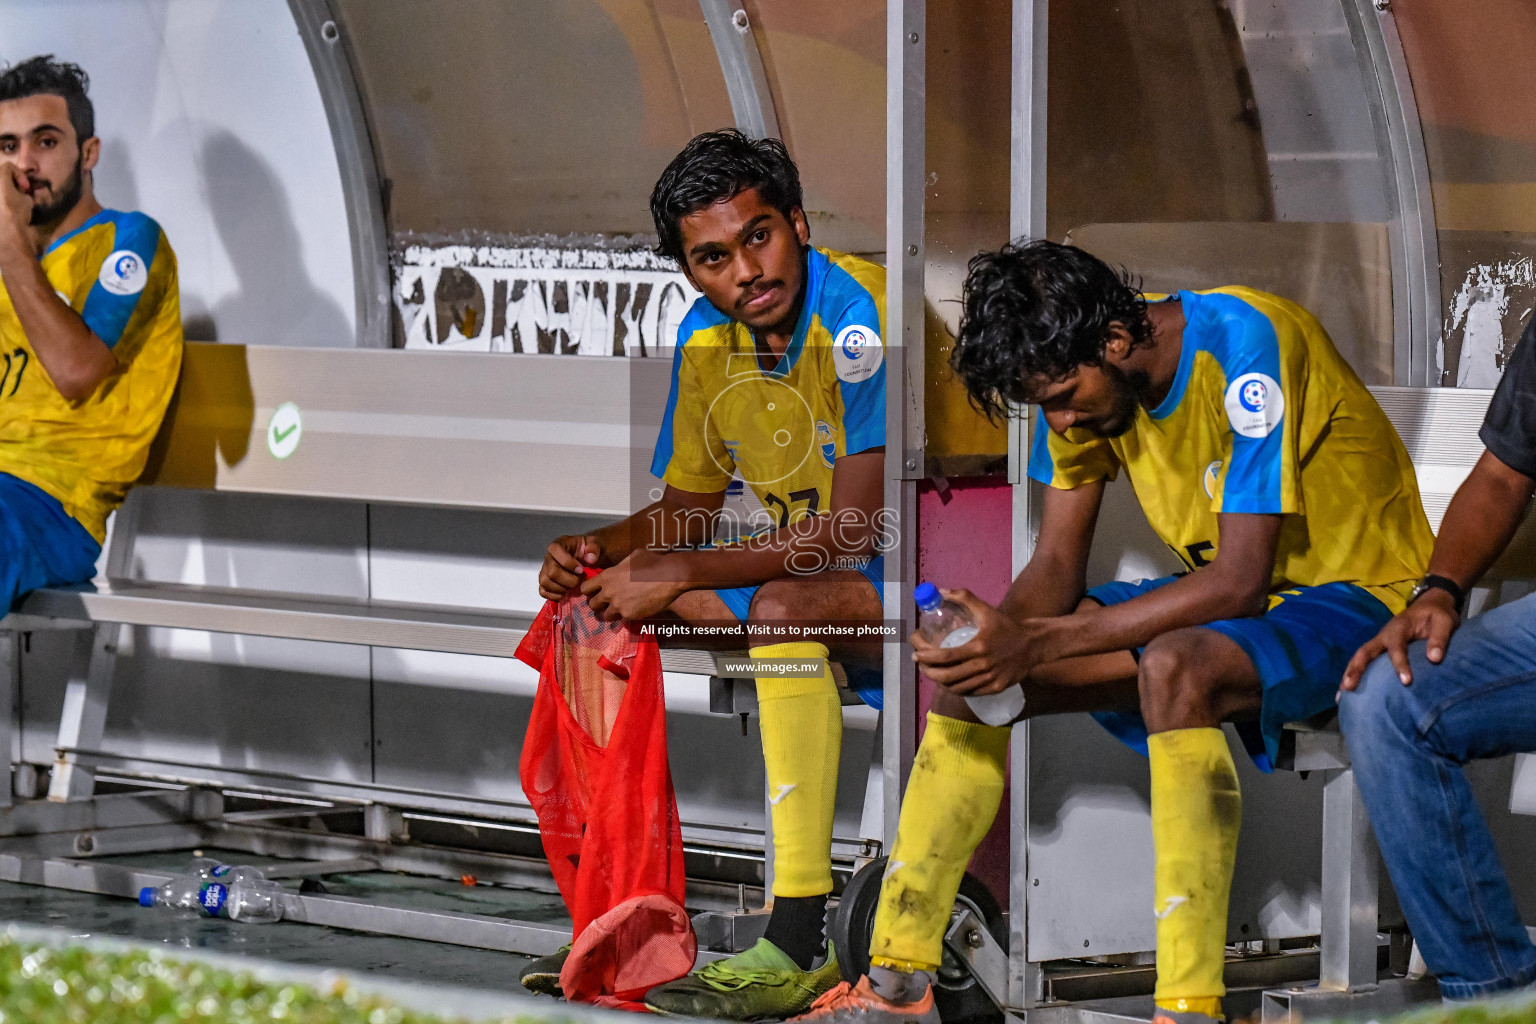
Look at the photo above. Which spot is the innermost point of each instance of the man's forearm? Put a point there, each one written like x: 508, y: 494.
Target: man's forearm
x: 1201, y: 597
x: 1047, y: 587
x: 76, y: 360
x: 1482, y: 518
x: 659, y: 526
x: 811, y: 545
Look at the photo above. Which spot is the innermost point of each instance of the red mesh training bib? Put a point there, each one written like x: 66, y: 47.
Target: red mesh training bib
x: 594, y: 767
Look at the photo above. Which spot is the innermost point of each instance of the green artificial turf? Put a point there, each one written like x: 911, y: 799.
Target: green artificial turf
x: 1515, y: 1009
x: 76, y: 985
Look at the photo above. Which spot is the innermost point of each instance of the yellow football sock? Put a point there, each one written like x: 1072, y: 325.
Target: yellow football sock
x: 951, y: 800
x: 802, y: 727
x: 1197, y: 811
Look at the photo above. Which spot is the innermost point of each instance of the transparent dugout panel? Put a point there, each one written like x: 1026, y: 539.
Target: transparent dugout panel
x: 1475, y: 84
x: 535, y: 117
x: 1207, y: 144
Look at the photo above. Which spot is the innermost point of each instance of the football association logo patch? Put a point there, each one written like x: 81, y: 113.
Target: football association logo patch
x: 1254, y: 404
x: 857, y: 353
x: 123, y: 273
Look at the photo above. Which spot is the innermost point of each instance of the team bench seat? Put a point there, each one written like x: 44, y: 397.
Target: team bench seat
x: 412, y: 627
x: 465, y: 430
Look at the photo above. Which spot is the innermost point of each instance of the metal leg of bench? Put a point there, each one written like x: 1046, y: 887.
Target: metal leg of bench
x: 1348, y: 961
x: 383, y: 824
x: 767, y: 843
x: 872, y: 821
x: 85, y: 712
x: 10, y: 697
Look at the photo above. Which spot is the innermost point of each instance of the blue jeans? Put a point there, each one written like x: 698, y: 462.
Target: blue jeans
x: 1408, y: 744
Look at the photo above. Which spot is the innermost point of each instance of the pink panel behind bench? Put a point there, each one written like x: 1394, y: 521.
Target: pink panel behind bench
x: 964, y: 541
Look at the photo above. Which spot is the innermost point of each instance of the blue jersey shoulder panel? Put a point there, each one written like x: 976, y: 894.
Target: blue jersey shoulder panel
x: 846, y: 303
x: 1245, y: 345
x: 124, y: 275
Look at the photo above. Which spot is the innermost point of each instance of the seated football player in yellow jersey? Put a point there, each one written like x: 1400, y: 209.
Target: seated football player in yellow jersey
x: 778, y: 382
x: 1261, y: 459
x: 90, y: 334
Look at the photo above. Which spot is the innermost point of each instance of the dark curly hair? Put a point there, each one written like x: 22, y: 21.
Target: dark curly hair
x: 44, y: 76
x: 1036, y: 309
x: 717, y: 166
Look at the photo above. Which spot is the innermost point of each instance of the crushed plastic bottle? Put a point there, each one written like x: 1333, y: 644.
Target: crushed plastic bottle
x: 210, y: 870
x: 949, y: 625
x: 246, y: 899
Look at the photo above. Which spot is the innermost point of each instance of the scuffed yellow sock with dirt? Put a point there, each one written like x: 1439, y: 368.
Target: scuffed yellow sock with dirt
x: 1197, y: 811
x: 951, y: 800
x: 802, y: 727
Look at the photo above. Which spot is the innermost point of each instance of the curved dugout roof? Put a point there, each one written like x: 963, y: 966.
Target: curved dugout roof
x: 553, y: 117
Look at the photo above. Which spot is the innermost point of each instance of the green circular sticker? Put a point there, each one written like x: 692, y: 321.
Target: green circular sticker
x: 284, y: 430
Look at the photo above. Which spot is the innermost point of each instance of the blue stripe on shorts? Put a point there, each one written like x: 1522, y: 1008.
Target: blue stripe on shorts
x: 1299, y: 648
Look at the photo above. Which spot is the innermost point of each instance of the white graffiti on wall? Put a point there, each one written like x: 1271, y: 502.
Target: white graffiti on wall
x: 1480, y: 312
x: 565, y: 301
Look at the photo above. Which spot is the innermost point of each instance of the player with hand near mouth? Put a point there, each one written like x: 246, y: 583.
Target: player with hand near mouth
x: 90, y: 334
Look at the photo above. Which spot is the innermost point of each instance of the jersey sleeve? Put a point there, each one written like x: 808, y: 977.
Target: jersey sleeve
x: 1068, y: 462
x: 689, y: 455
x: 858, y: 358
x: 123, y: 277
x: 1262, y: 404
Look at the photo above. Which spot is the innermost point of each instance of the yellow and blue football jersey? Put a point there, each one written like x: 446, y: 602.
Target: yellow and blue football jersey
x: 785, y: 428
x: 118, y: 272
x: 1264, y: 416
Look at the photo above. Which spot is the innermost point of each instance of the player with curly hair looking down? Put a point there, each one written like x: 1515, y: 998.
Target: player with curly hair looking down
x: 1260, y: 458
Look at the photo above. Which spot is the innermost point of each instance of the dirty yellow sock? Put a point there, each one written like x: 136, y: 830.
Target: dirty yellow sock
x: 1197, y: 811
x: 802, y: 727
x: 951, y: 799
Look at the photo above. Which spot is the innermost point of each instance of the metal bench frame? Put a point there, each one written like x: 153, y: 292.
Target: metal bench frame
x: 466, y: 413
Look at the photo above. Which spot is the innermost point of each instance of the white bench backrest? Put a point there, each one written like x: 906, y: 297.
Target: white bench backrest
x: 526, y: 432
x: 1439, y: 428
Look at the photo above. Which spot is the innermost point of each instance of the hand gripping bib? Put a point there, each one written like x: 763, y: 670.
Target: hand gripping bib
x: 594, y: 767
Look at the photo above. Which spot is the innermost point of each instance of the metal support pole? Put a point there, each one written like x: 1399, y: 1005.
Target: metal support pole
x: 1026, y: 219
x: 361, y: 184
x: 746, y: 82
x: 905, y: 139
x: 1415, y: 243
x: 10, y: 695
x: 1348, y: 961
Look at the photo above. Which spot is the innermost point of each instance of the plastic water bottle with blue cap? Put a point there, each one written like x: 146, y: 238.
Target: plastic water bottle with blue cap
x: 208, y: 869
x: 248, y: 900
x: 949, y: 625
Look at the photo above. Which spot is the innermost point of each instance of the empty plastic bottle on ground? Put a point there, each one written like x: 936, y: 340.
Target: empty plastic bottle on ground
x: 248, y: 900
x: 949, y: 625
x: 210, y: 870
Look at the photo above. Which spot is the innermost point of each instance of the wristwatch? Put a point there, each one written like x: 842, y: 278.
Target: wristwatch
x: 1433, y: 582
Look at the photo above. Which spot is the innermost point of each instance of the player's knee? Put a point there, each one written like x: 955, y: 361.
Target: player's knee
x: 1174, y: 687
x: 1380, y: 703
x: 775, y: 601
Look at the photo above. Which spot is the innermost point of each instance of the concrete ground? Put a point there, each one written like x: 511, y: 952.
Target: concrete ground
x: 85, y: 916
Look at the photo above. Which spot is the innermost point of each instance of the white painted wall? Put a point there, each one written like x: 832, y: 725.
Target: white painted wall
x: 211, y: 123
